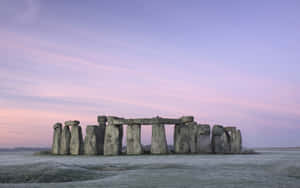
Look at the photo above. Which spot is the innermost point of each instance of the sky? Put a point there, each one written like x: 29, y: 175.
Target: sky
x: 234, y: 63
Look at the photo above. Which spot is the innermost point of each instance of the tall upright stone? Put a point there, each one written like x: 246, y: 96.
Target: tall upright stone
x: 91, y: 141
x: 101, y: 133
x: 234, y: 143
x: 239, y: 138
x: 217, y: 140
x: 181, y: 138
x: 134, y: 146
x: 203, y: 139
x: 65, y: 141
x: 76, y: 144
x: 159, y: 141
x: 193, y: 127
x: 113, y: 138
x: 56, y: 138
x: 225, y: 138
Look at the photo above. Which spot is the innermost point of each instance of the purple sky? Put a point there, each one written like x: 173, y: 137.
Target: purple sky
x: 234, y: 63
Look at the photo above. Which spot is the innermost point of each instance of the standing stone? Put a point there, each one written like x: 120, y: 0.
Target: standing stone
x: 217, y: 140
x: 65, y: 141
x: 181, y: 138
x: 239, y: 138
x: 76, y: 145
x: 225, y: 139
x: 113, y: 138
x: 100, y: 131
x: 159, y: 141
x: 193, y: 127
x: 134, y: 146
x: 56, y: 138
x: 203, y: 139
x: 234, y: 142
x: 91, y: 140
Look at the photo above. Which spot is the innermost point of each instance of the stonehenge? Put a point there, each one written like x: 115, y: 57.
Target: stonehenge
x: 76, y: 143
x: 91, y: 140
x: 106, y: 138
x: 56, y: 138
x: 65, y: 141
x: 159, y: 140
x: 203, y: 139
x: 113, y: 137
x: 134, y: 146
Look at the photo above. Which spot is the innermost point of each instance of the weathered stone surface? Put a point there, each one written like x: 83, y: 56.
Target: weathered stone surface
x: 56, y: 138
x: 239, y: 138
x: 225, y: 139
x: 150, y: 121
x: 91, y: 140
x: 65, y: 141
x: 193, y: 129
x: 159, y: 141
x: 217, y: 140
x: 233, y: 141
x: 218, y: 130
x: 72, y: 123
x: 102, y: 120
x: 203, y: 139
x: 187, y: 119
x: 113, y: 138
x: 181, y: 138
x: 134, y: 146
x: 220, y: 140
x: 76, y: 144
x: 100, y: 135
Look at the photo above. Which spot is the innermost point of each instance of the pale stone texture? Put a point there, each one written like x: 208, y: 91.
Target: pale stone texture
x: 65, y: 141
x: 217, y: 140
x: 113, y: 138
x: 159, y: 141
x: 76, y: 145
x: 72, y: 123
x: 203, y: 139
x: 225, y: 140
x: 134, y: 146
x: 181, y: 138
x: 56, y: 138
x: 193, y: 127
x: 100, y: 135
x: 91, y: 140
x: 234, y: 142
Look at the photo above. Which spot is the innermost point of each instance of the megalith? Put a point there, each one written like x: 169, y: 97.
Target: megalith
x: 134, y: 146
x: 239, y: 138
x: 76, y: 144
x: 91, y: 140
x: 65, y: 141
x: 203, y: 139
x: 100, y: 131
x: 217, y: 140
x: 113, y: 138
x: 181, y: 138
x: 193, y: 127
x: 56, y: 138
x: 225, y: 139
x: 234, y: 142
x: 159, y: 141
